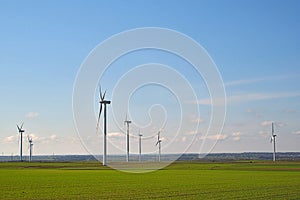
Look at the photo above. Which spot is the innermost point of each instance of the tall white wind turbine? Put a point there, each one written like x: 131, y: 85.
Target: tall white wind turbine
x: 273, y: 139
x: 127, y: 122
x: 140, y: 146
x: 103, y: 102
x: 159, y: 145
x: 30, y: 147
x: 21, y: 131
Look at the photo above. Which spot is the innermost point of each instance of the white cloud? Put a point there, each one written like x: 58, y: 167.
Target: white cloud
x: 236, y: 136
x: 296, y: 132
x: 255, y: 80
x: 260, y: 96
x: 269, y: 123
x: 280, y: 124
x: 243, y: 82
x: 193, y: 133
x: 206, y: 102
x: 163, y: 139
x: 246, y: 98
x: 266, y: 123
x: 236, y: 133
x: 289, y: 111
x: 32, y: 115
x: 10, y: 139
x: 16, y: 138
x: 249, y: 110
x: 33, y: 137
x: 214, y: 137
x: 115, y: 134
x: 197, y: 120
x: 264, y: 133
x: 53, y: 137
x: 43, y: 140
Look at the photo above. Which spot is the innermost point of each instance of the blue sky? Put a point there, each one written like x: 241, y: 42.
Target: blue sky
x: 255, y: 45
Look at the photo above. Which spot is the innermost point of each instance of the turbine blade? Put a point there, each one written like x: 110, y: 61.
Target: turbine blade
x: 125, y: 119
x: 158, y: 135
x: 100, y: 92
x: 103, y: 97
x: 100, y: 110
x: 18, y: 127
x: 22, y: 125
x: 18, y: 140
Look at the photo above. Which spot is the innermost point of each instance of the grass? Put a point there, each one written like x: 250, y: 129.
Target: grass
x: 181, y: 180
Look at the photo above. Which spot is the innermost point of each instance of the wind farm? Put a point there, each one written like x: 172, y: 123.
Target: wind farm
x: 149, y: 100
x: 188, y: 177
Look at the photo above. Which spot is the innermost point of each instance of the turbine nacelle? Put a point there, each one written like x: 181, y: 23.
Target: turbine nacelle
x: 158, y: 138
x: 20, y: 128
x: 126, y: 120
x: 29, y: 139
x: 105, y: 102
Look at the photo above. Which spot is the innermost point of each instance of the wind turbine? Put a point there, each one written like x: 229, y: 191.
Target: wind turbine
x: 103, y: 102
x: 30, y: 147
x: 273, y: 139
x: 140, y: 146
x: 159, y: 145
x: 21, y: 131
x: 127, y: 122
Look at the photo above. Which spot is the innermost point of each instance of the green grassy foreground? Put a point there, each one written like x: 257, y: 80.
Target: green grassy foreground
x: 181, y: 180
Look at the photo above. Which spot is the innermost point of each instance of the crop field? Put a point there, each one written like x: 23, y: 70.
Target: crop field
x: 180, y: 180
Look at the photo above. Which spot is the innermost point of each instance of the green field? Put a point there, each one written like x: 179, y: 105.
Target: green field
x: 181, y: 180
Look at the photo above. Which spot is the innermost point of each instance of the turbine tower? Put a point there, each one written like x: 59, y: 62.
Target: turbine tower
x: 21, y: 131
x: 127, y: 122
x: 273, y: 139
x: 103, y: 102
x: 159, y: 145
x: 140, y: 146
x: 30, y: 147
